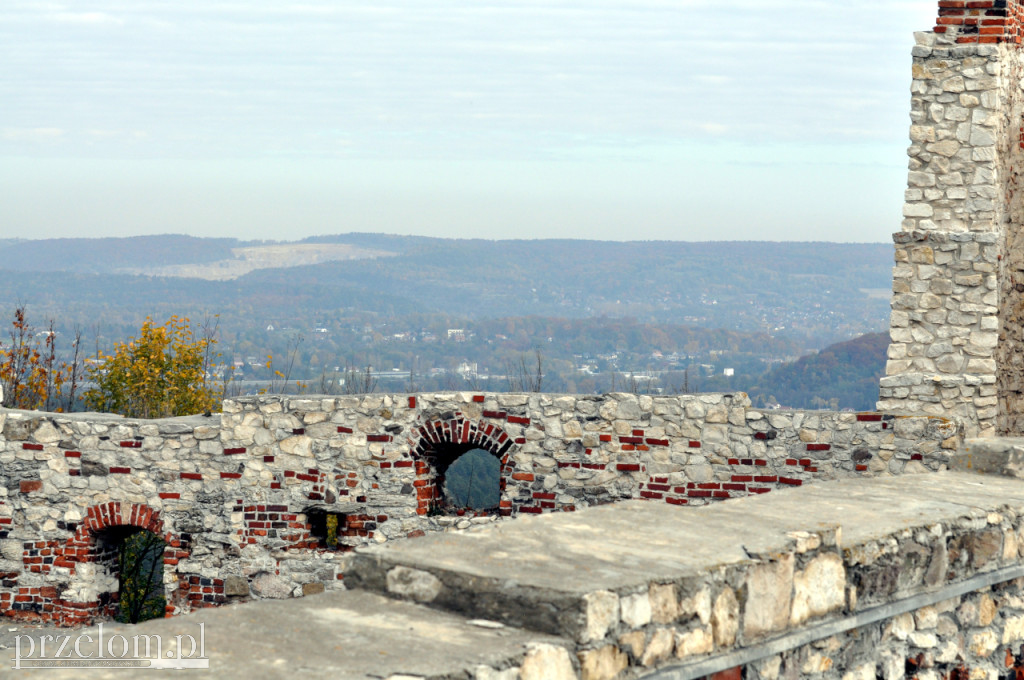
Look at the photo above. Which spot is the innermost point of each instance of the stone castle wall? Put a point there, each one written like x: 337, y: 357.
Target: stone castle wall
x: 959, y: 276
x: 242, y: 496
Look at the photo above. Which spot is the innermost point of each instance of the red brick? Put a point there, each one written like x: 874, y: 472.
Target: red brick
x: 167, y: 495
x: 478, y: 398
x: 628, y: 467
x: 28, y: 486
x: 233, y: 452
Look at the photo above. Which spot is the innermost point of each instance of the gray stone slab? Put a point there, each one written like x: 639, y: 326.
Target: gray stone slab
x: 996, y: 456
x: 345, y: 635
x: 534, y: 571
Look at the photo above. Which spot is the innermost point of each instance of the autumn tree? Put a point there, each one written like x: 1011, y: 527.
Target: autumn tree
x: 163, y: 372
x: 31, y: 376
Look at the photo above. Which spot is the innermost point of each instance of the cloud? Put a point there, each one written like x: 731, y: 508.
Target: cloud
x: 92, y: 18
x: 40, y: 134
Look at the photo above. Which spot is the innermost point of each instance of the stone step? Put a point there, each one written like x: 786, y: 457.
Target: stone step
x: 541, y: 573
x: 343, y: 635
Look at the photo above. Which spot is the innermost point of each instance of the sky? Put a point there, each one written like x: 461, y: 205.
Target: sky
x: 684, y: 120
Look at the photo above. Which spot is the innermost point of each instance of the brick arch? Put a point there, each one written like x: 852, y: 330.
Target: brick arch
x: 82, y: 548
x: 432, y: 442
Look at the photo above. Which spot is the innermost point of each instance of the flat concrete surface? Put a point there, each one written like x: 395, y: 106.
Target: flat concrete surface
x: 344, y: 635
x: 637, y: 542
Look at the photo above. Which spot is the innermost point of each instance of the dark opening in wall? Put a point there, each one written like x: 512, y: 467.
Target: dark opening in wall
x: 134, y: 557
x: 326, y: 527
x: 471, y: 479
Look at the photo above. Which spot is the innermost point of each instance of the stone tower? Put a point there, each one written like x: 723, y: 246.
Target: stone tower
x: 957, y: 344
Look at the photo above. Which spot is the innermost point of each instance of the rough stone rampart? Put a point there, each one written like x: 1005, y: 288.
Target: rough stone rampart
x: 244, y: 497
x: 958, y: 281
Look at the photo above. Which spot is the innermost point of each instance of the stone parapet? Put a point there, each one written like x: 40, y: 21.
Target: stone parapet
x: 244, y: 498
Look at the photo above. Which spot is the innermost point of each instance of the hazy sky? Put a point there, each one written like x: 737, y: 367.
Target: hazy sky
x: 610, y: 119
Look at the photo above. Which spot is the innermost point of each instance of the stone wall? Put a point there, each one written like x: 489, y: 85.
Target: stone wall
x: 244, y: 497
x: 958, y: 283
x: 916, y: 577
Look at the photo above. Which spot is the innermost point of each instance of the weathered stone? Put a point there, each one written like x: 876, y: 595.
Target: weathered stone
x: 819, y: 588
x: 664, y: 603
x: 725, y: 618
x: 600, y: 664
x: 636, y: 609
x: 602, y: 614
x: 696, y: 641
x: 413, y: 584
x: 236, y: 586
x: 314, y: 588
x: 547, y: 662
x: 660, y: 647
x: 271, y: 586
x: 769, y: 595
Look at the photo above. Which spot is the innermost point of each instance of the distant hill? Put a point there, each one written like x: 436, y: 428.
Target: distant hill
x: 109, y: 255
x: 810, y: 293
x: 847, y: 372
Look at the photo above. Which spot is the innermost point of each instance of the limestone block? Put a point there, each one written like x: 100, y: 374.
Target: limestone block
x: 635, y: 610
x: 918, y: 210
x: 923, y: 640
x: 818, y: 589
x: 659, y: 648
x: 698, y: 604
x: 984, y: 643
x: 664, y: 603
x: 725, y: 618
x: 271, y: 586
x: 697, y: 641
x: 488, y: 673
x: 1013, y: 629
x: 602, y: 614
x: 413, y: 584
x: 547, y: 662
x: 298, y: 445
x: 597, y: 664
x: 635, y: 642
x: 769, y: 595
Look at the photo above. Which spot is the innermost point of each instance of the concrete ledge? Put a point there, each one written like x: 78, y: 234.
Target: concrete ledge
x: 992, y: 456
x: 344, y: 635
x: 715, y: 580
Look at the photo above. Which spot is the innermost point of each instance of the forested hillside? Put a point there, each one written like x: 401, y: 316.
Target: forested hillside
x: 451, y: 314
x: 844, y: 375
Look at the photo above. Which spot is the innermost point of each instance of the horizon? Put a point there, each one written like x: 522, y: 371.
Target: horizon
x: 17, y: 239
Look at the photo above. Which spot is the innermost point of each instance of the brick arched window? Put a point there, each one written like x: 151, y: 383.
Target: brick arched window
x: 440, y: 442
x: 93, y: 592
